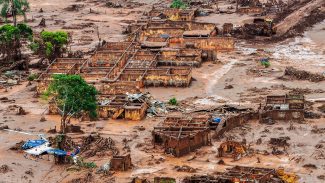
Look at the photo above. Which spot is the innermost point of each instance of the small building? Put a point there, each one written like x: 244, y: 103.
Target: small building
x: 179, y: 141
x: 121, y: 163
x: 283, y: 107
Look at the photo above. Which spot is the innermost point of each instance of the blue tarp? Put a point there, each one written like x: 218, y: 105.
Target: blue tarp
x: 216, y: 120
x: 33, y: 143
x: 57, y: 152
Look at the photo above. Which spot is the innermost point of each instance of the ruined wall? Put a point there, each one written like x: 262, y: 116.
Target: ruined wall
x: 183, y: 57
x: 157, y: 32
x: 212, y: 43
x: 119, y: 87
x: 250, y: 10
x: 190, y: 144
x: 120, y: 163
x: 135, y: 113
x: 185, y: 145
x: 179, y: 80
x: 235, y: 121
x: 284, y: 115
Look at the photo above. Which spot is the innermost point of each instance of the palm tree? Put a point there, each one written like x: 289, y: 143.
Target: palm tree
x: 14, y: 8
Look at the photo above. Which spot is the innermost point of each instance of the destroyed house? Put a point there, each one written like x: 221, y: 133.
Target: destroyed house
x: 120, y: 107
x: 180, y: 136
x: 232, y: 149
x: 180, y: 121
x: 283, y: 107
x: 172, y: 14
x: 237, y: 174
x: 121, y: 163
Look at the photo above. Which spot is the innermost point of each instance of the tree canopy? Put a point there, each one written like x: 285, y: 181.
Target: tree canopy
x: 14, y: 8
x: 10, y: 39
x: 51, y: 44
x: 72, y: 96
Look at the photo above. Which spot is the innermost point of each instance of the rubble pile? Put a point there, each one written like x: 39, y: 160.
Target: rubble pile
x: 185, y: 168
x: 5, y: 169
x: 18, y: 146
x: 93, y: 145
x: 293, y: 73
x: 16, y: 109
x: 281, y: 141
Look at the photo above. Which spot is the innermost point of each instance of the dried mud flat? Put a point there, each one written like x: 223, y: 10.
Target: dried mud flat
x: 241, y: 69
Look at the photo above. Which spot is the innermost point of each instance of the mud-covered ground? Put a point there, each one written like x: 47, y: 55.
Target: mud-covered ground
x: 241, y: 68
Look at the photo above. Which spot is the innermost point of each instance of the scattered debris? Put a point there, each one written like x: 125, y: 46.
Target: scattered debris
x: 311, y: 166
x: 294, y: 73
x: 185, y: 168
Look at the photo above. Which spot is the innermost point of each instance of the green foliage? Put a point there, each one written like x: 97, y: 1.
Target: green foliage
x: 73, y: 95
x: 25, y: 30
x: 179, y: 4
x: 14, y: 8
x: 266, y: 64
x: 173, y: 101
x: 32, y: 77
x: 10, y: 39
x: 34, y: 46
x: 59, y: 38
x: 48, y: 49
x: 82, y: 163
x: 51, y: 44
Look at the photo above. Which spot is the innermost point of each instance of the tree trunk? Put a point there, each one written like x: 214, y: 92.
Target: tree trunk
x: 13, y: 11
x: 61, y: 159
x: 63, y: 124
x: 236, y: 5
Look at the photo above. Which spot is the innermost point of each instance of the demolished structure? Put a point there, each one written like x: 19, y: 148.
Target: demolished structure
x: 161, y: 50
x: 283, y: 107
x: 121, y: 163
x: 235, y: 150
x: 181, y: 136
x: 242, y: 174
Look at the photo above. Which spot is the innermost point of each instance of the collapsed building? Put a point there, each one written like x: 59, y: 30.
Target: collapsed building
x: 161, y: 50
x: 242, y: 174
x: 283, y: 108
x: 232, y: 149
x: 121, y: 163
x: 181, y: 136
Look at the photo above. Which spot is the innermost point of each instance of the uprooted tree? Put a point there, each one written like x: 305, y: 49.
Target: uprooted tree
x: 11, y: 38
x: 51, y: 44
x: 72, y: 97
x: 14, y: 8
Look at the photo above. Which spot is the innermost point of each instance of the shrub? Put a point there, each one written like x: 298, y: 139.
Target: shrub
x: 173, y: 101
x: 179, y: 4
x: 32, y: 77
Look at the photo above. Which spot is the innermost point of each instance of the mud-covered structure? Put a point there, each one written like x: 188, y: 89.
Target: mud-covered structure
x: 180, y: 136
x: 232, y: 149
x: 121, y: 163
x: 238, y: 174
x: 160, y: 50
x: 283, y: 108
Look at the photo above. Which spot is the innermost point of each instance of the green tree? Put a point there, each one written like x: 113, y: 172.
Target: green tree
x: 179, y: 4
x: 10, y: 40
x: 51, y: 44
x: 72, y: 96
x: 14, y: 8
